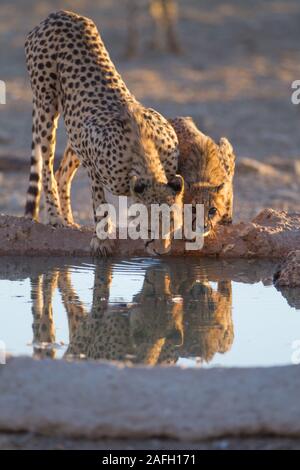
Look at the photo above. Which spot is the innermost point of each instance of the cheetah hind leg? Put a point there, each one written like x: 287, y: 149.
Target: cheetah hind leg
x: 64, y: 176
x: 45, y: 117
x: 35, y: 179
x: 75, y: 309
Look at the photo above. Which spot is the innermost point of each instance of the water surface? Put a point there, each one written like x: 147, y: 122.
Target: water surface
x: 199, y: 313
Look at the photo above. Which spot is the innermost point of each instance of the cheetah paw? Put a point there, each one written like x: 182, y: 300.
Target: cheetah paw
x: 102, y: 248
x: 72, y: 225
x: 57, y: 221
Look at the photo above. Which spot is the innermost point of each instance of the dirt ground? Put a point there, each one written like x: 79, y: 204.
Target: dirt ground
x: 29, y: 441
x: 234, y: 78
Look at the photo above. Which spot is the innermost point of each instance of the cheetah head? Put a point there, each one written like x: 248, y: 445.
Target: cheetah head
x: 149, y: 192
x: 208, y: 169
x: 216, y: 201
x: 209, y: 182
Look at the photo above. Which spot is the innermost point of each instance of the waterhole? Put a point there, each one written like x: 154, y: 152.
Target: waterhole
x: 183, y: 311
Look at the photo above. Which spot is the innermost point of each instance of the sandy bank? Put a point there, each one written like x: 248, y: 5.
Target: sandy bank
x: 95, y: 400
x: 272, y: 234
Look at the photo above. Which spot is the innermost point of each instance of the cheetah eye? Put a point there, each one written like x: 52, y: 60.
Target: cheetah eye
x: 212, y: 211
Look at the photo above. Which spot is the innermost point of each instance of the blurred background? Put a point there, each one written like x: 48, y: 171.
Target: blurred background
x: 231, y: 69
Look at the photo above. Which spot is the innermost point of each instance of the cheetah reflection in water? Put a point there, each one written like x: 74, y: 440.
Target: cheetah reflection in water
x: 175, y: 315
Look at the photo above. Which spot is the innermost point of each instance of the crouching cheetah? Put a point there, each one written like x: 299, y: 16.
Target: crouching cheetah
x: 207, y: 169
x: 127, y: 149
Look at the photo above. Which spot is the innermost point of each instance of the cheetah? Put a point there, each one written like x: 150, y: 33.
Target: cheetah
x: 126, y: 148
x: 164, y: 14
x: 208, y: 170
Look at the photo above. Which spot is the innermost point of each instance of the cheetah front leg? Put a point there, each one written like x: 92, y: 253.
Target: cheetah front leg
x: 64, y: 176
x: 99, y: 247
x: 76, y: 312
x: 101, y: 291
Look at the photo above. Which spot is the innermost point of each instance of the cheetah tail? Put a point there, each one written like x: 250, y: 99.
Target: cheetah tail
x: 34, y: 189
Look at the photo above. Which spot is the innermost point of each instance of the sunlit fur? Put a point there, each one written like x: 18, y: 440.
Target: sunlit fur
x: 208, y: 170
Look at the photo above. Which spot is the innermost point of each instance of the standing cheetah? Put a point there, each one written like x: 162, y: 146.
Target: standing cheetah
x: 127, y: 149
x: 206, y: 167
x: 164, y: 15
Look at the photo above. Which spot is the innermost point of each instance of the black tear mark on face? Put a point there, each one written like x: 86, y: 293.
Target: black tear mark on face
x: 176, y: 184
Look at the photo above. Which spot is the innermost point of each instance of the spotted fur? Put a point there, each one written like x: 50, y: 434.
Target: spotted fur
x: 123, y: 145
x: 176, y: 314
x: 208, y: 170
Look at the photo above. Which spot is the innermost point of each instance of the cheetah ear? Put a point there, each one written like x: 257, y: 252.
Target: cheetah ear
x: 225, y: 146
x: 228, y: 156
x: 176, y: 184
x: 137, y: 185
